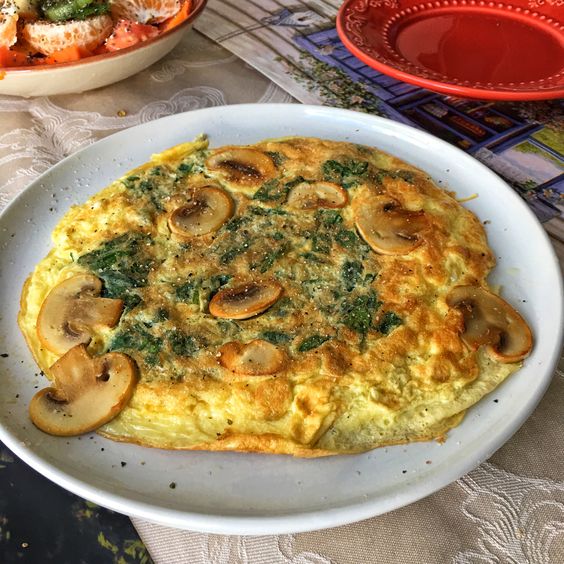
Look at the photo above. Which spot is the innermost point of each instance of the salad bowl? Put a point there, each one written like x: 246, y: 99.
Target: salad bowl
x: 96, y: 70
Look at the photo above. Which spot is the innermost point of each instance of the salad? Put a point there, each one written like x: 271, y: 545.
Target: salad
x: 37, y: 32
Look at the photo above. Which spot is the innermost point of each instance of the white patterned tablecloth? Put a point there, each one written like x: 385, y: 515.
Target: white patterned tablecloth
x: 509, y: 510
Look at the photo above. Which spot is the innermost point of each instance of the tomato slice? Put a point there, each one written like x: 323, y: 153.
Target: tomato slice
x: 127, y: 33
x: 67, y: 55
x: 12, y: 57
x: 181, y: 16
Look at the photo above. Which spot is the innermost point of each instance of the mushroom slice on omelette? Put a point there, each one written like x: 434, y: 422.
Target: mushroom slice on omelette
x: 297, y: 296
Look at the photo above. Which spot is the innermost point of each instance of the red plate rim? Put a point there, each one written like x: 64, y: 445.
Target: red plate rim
x: 435, y: 85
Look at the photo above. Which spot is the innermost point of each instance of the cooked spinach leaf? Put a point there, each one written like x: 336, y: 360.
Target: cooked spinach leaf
x: 161, y: 315
x: 189, y: 292
x: 407, y: 175
x: 234, y: 251
x: 369, y: 278
x: 357, y: 313
x: 131, y: 300
x: 346, y: 238
x: 312, y: 342
x: 312, y: 257
x: 271, y: 191
x: 145, y: 188
x: 122, y: 263
x: 182, y: 344
x: 348, y: 173
x: 321, y: 243
x: 276, y: 337
x: 256, y: 210
x: 237, y: 222
x: 277, y: 158
x: 351, y: 274
x: 269, y: 258
x: 219, y: 280
x: 209, y: 288
x: 281, y: 308
x: 328, y: 218
x: 184, y: 169
x: 298, y: 180
x: 389, y: 321
x: 129, y: 182
x: 137, y: 338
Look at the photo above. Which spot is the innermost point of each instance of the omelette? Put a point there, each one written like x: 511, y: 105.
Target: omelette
x: 298, y: 296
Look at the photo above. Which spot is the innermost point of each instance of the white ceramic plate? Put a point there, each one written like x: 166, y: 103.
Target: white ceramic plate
x: 96, y: 71
x: 236, y: 493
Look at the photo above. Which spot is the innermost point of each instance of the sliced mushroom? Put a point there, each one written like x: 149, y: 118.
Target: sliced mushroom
x: 88, y: 392
x: 209, y: 209
x: 247, y: 167
x: 388, y: 228
x: 246, y: 300
x: 491, y: 321
x: 308, y: 196
x: 255, y: 358
x: 72, y: 310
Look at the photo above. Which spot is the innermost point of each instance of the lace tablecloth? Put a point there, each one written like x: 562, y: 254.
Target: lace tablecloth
x: 509, y: 510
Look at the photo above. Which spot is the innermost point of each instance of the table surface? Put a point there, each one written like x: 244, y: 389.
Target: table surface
x: 510, y: 509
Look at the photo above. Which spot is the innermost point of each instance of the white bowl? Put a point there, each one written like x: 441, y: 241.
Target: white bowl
x: 234, y: 493
x: 95, y: 71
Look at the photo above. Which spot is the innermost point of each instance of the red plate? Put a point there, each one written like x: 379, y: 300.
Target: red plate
x: 469, y: 48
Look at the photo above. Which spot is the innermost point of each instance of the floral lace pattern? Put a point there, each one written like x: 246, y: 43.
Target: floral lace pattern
x: 56, y: 132
x: 201, y: 548
x: 517, y: 519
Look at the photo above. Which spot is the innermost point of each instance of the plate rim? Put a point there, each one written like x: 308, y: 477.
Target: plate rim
x: 295, y: 521
x: 448, y: 88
